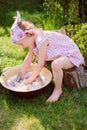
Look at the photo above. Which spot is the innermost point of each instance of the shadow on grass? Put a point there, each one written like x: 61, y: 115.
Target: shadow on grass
x: 35, y: 114
x: 30, y: 109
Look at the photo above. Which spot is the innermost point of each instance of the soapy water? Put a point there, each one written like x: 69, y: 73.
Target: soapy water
x: 15, y: 85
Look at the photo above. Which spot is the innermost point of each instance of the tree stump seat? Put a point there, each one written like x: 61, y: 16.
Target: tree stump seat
x: 75, y: 77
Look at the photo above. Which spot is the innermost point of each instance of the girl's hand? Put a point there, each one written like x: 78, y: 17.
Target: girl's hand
x: 28, y: 81
x: 19, y: 76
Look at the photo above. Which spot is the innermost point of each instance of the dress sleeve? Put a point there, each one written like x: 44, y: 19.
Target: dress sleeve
x: 40, y: 41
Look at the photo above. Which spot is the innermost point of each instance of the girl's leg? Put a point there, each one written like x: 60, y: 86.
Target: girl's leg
x: 57, y: 68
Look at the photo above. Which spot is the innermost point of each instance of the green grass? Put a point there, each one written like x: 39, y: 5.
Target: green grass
x: 10, y: 54
x: 69, y: 113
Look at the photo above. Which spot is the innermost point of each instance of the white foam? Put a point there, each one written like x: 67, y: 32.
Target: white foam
x: 38, y: 83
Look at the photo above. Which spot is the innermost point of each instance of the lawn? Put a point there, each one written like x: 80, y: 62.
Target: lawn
x: 69, y: 113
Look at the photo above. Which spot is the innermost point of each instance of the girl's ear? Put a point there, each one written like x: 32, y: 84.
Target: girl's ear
x: 27, y: 34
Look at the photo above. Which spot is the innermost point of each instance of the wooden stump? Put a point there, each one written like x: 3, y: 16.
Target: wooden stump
x: 75, y: 78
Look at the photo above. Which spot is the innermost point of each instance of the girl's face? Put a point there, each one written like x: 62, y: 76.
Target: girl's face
x: 28, y: 41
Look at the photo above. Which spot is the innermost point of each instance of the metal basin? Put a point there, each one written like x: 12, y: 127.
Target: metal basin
x: 29, y: 93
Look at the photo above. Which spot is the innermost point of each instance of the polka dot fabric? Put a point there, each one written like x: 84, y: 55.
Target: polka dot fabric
x: 59, y: 45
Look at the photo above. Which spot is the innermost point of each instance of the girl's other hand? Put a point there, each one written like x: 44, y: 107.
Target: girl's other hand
x: 28, y: 81
x: 19, y: 76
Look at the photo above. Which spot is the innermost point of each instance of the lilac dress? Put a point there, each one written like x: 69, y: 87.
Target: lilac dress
x: 59, y: 46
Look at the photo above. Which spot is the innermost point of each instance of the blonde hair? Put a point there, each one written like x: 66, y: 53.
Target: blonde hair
x: 26, y: 25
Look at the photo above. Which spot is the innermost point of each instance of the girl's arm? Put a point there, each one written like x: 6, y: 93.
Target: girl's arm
x: 27, y: 62
x: 40, y: 64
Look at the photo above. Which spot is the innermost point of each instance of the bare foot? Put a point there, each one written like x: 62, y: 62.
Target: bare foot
x: 55, y: 95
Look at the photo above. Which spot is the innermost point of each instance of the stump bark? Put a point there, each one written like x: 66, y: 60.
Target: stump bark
x: 75, y: 78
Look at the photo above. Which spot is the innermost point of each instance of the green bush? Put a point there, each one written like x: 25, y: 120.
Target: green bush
x: 81, y: 39
x: 72, y: 29
x: 4, y: 31
x: 79, y: 34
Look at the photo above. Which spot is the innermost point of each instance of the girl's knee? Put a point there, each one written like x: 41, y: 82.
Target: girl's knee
x: 55, y: 65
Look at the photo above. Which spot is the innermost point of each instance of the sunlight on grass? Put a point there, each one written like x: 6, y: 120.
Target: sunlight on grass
x: 25, y: 123
x: 70, y: 112
x: 10, y: 54
x: 5, y: 104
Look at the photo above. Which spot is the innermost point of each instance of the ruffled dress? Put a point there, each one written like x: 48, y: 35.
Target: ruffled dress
x: 60, y: 45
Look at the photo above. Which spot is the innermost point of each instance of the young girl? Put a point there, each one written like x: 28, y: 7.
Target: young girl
x: 48, y: 46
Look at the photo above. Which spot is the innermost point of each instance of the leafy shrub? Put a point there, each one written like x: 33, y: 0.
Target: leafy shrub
x: 4, y: 31
x: 81, y: 39
x: 79, y: 34
x: 72, y: 29
x: 53, y: 14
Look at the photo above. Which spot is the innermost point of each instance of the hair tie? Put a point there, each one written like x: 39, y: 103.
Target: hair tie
x: 16, y: 32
